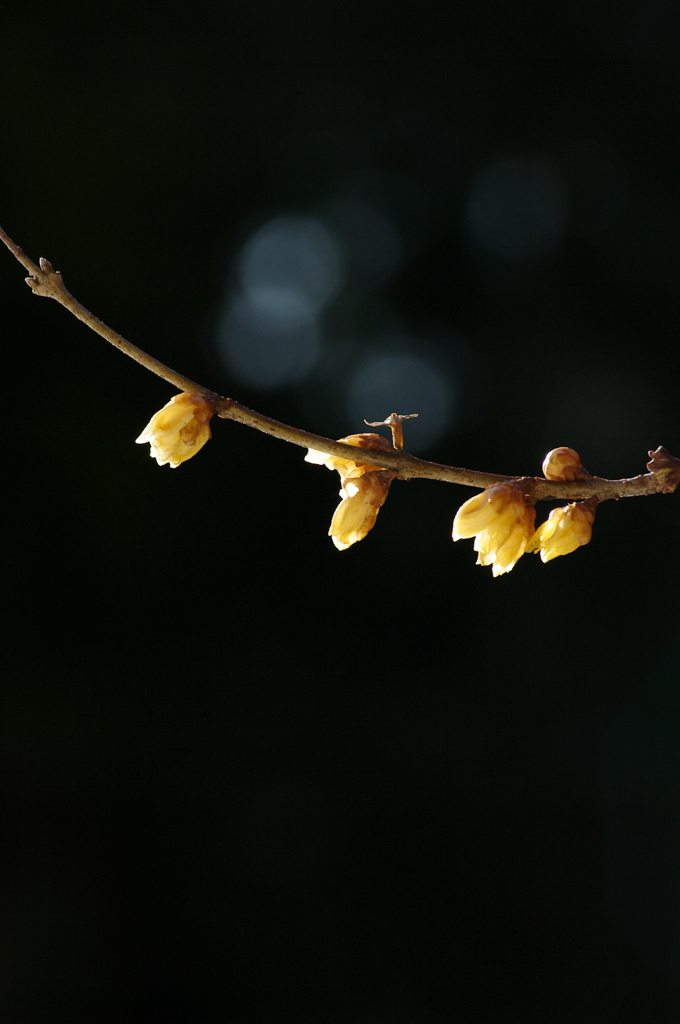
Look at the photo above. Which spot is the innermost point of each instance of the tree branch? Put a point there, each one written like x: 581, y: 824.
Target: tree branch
x: 664, y: 469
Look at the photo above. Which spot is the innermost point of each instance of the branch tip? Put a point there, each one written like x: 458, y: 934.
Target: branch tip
x: 46, y: 281
x: 665, y: 467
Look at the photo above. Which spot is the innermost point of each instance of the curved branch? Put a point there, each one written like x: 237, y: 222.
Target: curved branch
x: 664, y: 469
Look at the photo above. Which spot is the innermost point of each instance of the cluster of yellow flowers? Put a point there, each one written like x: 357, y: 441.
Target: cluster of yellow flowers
x: 502, y: 521
x: 503, y: 527
x: 500, y: 518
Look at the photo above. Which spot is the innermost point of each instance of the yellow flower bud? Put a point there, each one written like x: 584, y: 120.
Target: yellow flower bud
x: 564, y: 464
x: 179, y: 430
x: 364, y: 489
x: 500, y: 521
x: 565, y: 530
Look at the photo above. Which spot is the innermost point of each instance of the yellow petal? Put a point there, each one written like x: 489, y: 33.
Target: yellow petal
x: 319, y: 458
x: 472, y: 516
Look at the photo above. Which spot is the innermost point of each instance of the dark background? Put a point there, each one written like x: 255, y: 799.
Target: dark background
x: 246, y: 777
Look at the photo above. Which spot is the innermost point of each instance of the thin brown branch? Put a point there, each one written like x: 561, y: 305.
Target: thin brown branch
x: 47, y: 282
x: 664, y: 469
x: 409, y: 467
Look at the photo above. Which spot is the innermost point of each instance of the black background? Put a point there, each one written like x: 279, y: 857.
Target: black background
x: 246, y: 777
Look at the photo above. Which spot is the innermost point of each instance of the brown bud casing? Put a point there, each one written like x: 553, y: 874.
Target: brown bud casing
x: 564, y: 464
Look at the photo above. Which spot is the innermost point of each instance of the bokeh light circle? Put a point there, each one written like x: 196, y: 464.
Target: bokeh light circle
x: 295, y: 254
x: 517, y: 208
x: 270, y: 343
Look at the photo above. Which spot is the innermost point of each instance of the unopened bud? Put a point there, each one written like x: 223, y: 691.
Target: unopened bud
x: 564, y: 464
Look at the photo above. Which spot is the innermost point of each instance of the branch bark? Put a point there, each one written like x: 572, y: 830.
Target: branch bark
x: 664, y: 469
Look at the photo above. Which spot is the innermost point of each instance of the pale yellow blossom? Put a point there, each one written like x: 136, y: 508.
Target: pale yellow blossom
x: 364, y: 489
x: 565, y: 530
x: 179, y: 430
x: 501, y: 522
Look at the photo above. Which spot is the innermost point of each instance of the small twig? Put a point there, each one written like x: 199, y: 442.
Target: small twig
x: 395, y: 422
x: 664, y: 469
